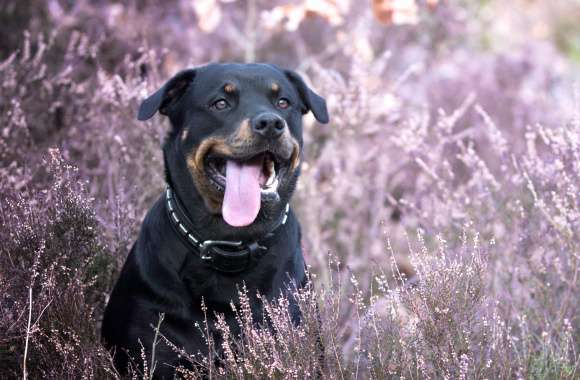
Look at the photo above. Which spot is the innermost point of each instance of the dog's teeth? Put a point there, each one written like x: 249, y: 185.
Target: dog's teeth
x: 271, y: 187
x: 272, y: 176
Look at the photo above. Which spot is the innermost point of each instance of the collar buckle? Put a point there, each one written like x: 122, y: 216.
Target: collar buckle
x: 206, y: 247
x: 230, y: 256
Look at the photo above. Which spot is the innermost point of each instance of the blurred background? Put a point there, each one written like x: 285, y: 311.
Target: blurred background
x: 448, y: 118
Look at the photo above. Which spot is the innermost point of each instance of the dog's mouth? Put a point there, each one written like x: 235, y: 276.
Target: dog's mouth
x: 245, y: 182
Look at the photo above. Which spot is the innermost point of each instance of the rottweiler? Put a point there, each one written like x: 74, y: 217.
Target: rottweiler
x: 232, y: 159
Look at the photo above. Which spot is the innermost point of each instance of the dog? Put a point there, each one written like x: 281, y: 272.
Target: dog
x: 232, y: 159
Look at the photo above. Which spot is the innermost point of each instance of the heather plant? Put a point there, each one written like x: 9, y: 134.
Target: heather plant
x: 441, y: 325
x: 425, y: 330
x: 54, y: 267
x: 445, y: 187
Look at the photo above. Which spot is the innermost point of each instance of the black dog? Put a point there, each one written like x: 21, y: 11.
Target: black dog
x: 232, y: 159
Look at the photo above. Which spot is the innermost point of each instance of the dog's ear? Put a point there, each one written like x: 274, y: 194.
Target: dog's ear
x: 166, y: 95
x: 311, y: 100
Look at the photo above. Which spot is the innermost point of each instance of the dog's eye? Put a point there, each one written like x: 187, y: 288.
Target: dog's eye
x: 283, y: 103
x: 220, y: 104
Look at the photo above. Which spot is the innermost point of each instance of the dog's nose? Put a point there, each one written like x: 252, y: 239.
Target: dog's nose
x: 268, y: 125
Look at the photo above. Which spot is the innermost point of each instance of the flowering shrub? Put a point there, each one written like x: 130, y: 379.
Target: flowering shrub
x: 54, y: 268
x: 445, y: 187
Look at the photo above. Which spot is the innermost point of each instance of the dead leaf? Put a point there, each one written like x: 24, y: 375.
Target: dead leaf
x: 397, y: 12
x: 290, y: 16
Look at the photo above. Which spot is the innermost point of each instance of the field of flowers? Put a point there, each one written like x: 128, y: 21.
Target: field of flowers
x: 440, y: 207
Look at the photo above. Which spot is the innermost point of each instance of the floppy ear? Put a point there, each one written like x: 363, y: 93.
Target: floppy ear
x: 166, y: 95
x: 311, y: 100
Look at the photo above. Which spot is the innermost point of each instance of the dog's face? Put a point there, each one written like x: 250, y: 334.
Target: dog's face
x: 238, y: 129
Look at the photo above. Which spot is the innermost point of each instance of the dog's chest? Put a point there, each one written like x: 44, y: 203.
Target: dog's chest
x: 264, y: 278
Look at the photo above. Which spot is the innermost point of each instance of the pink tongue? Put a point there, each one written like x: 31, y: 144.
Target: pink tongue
x: 242, y: 198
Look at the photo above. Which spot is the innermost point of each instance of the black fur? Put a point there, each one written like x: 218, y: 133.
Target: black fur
x: 162, y: 274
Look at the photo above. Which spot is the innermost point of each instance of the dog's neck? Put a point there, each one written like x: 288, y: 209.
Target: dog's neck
x: 227, y: 256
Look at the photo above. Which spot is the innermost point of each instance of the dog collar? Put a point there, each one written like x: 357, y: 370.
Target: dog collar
x: 222, y: 255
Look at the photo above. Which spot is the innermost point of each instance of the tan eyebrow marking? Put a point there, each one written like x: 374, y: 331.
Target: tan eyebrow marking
x: 229, y: 88
x: 275, y: 87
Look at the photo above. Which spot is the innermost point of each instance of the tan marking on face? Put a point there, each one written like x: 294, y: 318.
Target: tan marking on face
x: 184, y: 134
x: 275, y: 87
x: 243, y: 134
x: 292, y: 144
x: 229, y: 88
x: 289, y: 149
x: 295, y: 160
x: 212, y: 198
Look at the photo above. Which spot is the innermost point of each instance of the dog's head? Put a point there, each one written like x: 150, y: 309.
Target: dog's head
x: 236, y: 138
